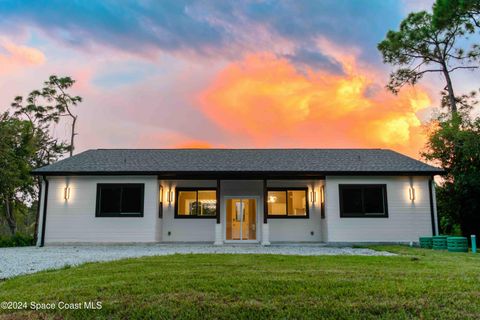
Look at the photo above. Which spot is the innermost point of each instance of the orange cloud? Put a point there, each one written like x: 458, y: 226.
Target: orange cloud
x: 274, y: 104
x: 194, y: 144
x: 18, y: 56
x: 170, y: 139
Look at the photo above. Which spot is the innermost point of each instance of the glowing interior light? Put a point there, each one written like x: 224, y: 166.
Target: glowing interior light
x: 209, y: 201
x: 272, y: 199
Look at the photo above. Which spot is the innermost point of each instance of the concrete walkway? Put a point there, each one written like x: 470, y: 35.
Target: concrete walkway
x: 16, y: 261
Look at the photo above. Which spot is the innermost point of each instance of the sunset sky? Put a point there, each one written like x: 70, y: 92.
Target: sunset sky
x: 228, y: 74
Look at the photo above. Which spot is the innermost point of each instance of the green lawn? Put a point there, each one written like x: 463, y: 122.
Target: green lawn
x: 416, y: 284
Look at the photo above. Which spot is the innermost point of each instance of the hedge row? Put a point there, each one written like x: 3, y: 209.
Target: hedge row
x: 18, y: 240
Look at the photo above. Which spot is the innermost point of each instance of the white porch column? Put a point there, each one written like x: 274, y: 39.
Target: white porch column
x: 265, y: 234
x: 218, y: 234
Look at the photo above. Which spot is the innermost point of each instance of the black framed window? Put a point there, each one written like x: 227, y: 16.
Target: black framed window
x: 287, y: 202
x: 363, y: 201
x: 196, y: 203
x: 120, y: 200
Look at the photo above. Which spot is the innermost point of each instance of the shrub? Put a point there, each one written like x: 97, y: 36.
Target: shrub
x: 18, y: 240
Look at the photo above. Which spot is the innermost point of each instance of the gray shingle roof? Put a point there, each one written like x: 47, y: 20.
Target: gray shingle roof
x: 163, y: 161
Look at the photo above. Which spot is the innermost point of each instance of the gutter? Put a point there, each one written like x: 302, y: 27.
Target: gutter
x: 44, y: 216
x: 432, y: 211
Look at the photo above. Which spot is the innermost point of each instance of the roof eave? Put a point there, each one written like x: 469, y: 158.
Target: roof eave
x: 176, y: 174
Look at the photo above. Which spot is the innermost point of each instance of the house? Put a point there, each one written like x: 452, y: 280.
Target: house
x: 237, y: 195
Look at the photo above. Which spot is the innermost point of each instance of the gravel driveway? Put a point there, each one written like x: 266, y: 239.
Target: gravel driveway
x: 16, y: 261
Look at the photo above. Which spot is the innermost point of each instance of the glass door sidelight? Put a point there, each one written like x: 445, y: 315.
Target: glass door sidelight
x: 241, y: 219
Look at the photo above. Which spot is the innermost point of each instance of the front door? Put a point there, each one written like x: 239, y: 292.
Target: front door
x: 241, y: 219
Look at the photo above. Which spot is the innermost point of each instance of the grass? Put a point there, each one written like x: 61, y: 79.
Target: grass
x: 418, y: 283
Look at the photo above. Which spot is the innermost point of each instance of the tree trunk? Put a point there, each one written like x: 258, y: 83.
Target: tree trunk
x: 72, y: 138
x: 12, y: 223
x: 451, y: 94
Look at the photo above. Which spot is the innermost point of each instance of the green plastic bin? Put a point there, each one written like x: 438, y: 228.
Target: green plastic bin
x: 439, y: 242
x: 457, y: 244
x: 426, y: 242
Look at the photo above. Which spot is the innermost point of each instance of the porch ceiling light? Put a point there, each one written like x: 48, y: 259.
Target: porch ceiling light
x: 411, y: 193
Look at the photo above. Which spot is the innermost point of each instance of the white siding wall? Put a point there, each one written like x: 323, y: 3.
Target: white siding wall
x: 406, y: 220
x: 74, y: 220
x: 293, y: 230
x: 185, y: 230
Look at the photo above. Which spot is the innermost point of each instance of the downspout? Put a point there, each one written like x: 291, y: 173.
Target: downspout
x: 432, y: 211
x: 37, y: 218
x: 44, y: 217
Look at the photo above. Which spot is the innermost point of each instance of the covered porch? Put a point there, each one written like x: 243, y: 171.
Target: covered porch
x: 235, y: 210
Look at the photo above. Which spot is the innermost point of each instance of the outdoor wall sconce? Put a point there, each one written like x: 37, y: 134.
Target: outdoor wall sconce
x: 66, y: 193
x: 160, y: 194
x: 322, y: 194
x: 170, y: 196
x: 411, y: 193
x: 313, y: 196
